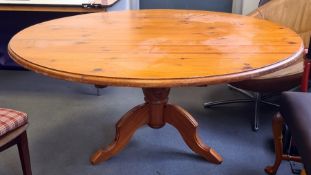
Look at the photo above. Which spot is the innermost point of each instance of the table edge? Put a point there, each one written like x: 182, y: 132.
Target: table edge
x: 156, y: 83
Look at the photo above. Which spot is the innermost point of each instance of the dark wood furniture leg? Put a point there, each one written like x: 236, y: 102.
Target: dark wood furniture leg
x: 22, y: 144
x: 277, y: 126
x: 156, y: 112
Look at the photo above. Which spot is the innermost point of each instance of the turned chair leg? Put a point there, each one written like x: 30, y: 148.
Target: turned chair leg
x: 277, y: 124
x: 303, y: 172
x: 22, y: 144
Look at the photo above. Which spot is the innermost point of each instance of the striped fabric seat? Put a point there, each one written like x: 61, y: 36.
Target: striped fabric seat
x: 11, y: 119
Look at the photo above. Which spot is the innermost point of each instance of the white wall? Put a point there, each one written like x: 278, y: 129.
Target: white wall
x: 244, y: 6
x: 237, y: 6
x: 249, y: 6
x: 134, y: 4
x: 125, y: 5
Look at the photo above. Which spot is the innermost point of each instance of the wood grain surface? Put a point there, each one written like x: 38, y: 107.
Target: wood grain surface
x: 156, y: 112
x: 156, y: 48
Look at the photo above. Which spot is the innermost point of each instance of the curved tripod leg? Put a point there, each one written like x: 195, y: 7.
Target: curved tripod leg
x: 277, y: 124
x: 125, y: 128
x: 187, y: 127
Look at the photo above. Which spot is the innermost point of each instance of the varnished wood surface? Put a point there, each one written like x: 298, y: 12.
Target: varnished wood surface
x: 156, y: 48
x: 156, y: 113
x: 125, y: 129
x: 50, y: 7
x: 277, y: 127
x: 278, y: 144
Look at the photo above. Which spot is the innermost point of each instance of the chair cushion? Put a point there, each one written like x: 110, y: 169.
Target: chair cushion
x: 296, y: 110
x: 11, y: 119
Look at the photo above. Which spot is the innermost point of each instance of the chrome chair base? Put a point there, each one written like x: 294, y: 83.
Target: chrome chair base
x: 257, y: 98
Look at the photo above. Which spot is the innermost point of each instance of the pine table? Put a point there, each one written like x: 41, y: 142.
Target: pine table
x: 156, y: 50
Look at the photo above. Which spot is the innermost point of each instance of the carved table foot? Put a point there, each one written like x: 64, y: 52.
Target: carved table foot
x: 156, y: 112
x: 187, y: 127
x: 125, y: 129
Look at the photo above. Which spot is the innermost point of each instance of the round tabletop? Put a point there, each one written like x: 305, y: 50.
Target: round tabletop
x: 156, y: 48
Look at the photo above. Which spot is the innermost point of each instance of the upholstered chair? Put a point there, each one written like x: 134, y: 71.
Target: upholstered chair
x: 296, y: 113
x: 295, y: 109
x: 13, y: 125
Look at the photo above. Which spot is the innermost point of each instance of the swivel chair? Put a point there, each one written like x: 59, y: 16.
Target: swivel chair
x: 295, y: 14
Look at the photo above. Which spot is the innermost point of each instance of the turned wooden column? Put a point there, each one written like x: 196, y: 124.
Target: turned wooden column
x: 156, y: 100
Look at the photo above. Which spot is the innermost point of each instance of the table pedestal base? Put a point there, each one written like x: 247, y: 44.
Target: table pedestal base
x: 156, y: 112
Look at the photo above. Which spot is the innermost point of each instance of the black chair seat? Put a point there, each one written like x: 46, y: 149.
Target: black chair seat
x: 296, y: 111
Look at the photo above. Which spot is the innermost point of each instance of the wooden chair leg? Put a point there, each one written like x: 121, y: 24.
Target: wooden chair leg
x: 22, y: 144
x: 277, y: 124
x: 303, y: 172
